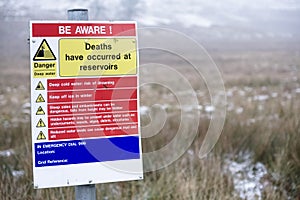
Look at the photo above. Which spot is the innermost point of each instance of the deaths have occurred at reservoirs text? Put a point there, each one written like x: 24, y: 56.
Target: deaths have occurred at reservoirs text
x: 97, y: 56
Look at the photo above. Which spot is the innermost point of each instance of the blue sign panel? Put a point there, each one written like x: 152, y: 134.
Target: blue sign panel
x: 86, y: 151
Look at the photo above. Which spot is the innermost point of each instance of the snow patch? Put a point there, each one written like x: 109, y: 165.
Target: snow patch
x: 249, y: 178
x: 7, y: 153
x: 263, y: 97
x: 18, y: 173
x: 209, y: 108
x: 144, y: 110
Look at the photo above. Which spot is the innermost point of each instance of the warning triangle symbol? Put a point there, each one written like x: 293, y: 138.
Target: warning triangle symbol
x: 40, y: 99
x: 44, y: 52
x: 41, y: 136
x: 40, y: 86
x: 40, y: 124
x: 40, y: 111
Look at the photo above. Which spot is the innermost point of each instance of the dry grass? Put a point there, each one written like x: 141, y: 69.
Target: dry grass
x: 269, y: 128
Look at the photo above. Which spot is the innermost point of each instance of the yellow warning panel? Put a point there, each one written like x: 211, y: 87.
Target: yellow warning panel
x: 44, y: 69
x: 41, y: 136
x: 40, y: 111
x: 40, y: 86
x: 44, y: 52
x: 40, y: 99
x: 97, y: 57
x: 40, y: 124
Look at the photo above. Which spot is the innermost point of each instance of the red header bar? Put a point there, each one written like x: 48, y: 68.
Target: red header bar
x: 82, y: 29
x: 92, y: 119
x: 92, y: 107
x: 91, y: 83
x: 91, y: 95
x: 93, y: 131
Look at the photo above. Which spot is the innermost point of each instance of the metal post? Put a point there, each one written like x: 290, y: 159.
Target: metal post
x: 85, y: 192
x: 78, y: 14
x: 82, y: 192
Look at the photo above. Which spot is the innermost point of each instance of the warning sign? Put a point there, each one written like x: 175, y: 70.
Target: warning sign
x: 41, y: 136
x: 82, y: 57
x: 40, y: 99
x: 40, y: 111
x: 84, y: 96
x: 40, y: 124
x: 44, y: 52
x: 40, y: 86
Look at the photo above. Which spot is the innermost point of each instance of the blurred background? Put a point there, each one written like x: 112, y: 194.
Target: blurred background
x: 251, y: 24
x: 256, y: 46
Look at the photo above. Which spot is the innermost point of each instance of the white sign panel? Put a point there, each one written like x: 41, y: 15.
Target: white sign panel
x: 85, y: 103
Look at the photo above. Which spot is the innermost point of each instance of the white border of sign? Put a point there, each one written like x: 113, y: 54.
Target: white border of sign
x: 85, y: 173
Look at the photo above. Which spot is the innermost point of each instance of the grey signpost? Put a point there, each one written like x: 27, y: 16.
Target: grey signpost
x: 82, y: 192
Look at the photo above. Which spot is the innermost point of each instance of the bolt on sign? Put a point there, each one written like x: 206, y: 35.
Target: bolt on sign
x: 85, y: 103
